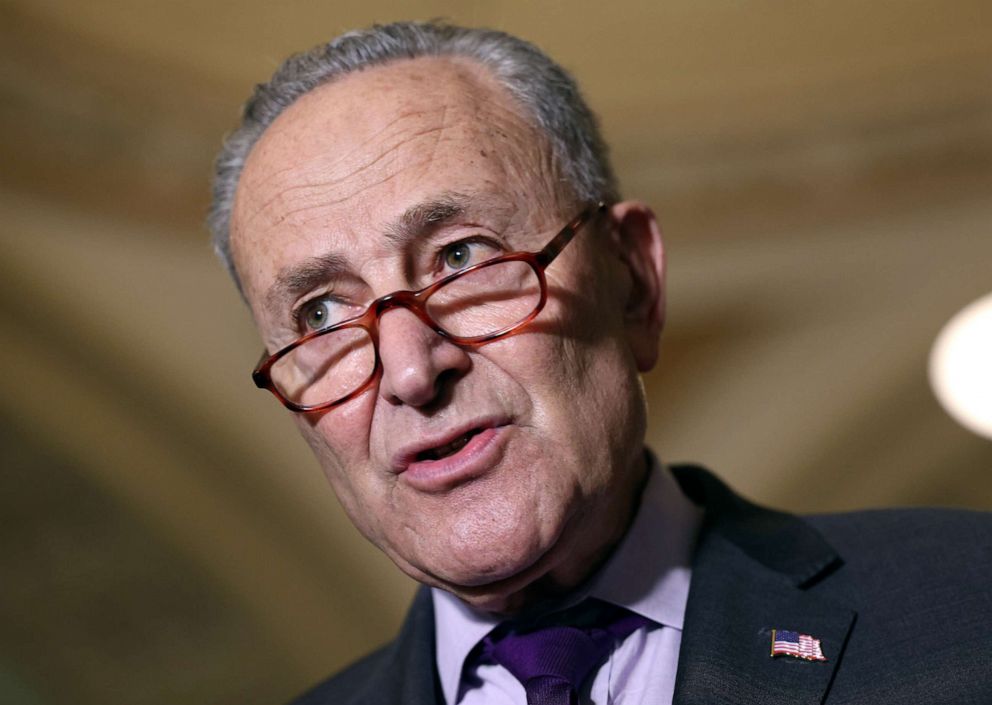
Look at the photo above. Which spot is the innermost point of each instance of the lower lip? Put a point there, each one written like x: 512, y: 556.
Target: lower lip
x: 474, y: 459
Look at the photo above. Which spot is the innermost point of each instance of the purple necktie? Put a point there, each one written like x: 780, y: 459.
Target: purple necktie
x: 553, y: 660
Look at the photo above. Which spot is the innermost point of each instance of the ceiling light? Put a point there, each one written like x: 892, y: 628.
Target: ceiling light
x: 961, y: 366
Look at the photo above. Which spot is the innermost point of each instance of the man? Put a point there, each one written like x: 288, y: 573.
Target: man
x: 456, y: 305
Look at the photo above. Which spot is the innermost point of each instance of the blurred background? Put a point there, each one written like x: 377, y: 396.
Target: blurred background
x: 823, y: 171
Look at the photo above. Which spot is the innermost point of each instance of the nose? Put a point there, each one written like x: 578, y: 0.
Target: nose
x: 417, y: 362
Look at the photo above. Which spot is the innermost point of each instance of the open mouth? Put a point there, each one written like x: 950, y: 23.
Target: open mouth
x: 465, y: 453
x: 448, y: 448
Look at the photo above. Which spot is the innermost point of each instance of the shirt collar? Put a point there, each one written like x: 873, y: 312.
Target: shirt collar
x: 648, y: 574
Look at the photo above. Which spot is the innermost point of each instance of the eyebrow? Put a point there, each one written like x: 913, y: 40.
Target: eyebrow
x: 294, y: 280
x: 423, y: 218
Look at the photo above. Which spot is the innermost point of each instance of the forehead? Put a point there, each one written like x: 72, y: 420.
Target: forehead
x: 346, y: 158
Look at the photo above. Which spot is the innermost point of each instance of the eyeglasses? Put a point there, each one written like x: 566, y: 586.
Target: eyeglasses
x: 474, y: 306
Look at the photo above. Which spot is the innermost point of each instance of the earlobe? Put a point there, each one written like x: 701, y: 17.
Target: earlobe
x: 637, y: 238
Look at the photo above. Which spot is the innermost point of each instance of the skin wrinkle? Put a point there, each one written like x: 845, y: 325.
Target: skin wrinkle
x: 299, y: 193
x: 275, y: 174
x: 380, y: 134
x: 440, y: 134
x: 562, y: 481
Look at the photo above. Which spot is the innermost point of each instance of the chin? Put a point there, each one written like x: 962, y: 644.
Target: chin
x: 503, y: 585
x: 503, y: 597
x: 490, y: 575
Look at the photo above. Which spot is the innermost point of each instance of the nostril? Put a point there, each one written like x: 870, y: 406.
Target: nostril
x: 444, y: 386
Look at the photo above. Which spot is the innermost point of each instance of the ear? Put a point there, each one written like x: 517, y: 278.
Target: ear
x: 637, y: 239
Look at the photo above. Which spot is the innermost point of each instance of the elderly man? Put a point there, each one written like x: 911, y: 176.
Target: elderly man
x: 456, y: 305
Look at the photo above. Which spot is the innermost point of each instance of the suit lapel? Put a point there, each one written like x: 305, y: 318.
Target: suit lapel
x: 755, y: 570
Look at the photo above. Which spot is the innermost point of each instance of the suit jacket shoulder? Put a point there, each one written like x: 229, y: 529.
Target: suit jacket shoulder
x: 905, y: 556
x: 897, y: 539
x: 921, y: 583
x: 900, y: 599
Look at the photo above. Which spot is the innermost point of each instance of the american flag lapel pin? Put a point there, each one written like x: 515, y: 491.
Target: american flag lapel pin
x: 789, y: 643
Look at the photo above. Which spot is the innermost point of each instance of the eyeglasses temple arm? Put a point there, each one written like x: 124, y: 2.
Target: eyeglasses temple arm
x: 547, y: 255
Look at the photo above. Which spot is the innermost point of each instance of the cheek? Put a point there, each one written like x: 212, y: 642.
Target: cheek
x: 343, y: 432
x: 339, y: 441
x: 593, y: 379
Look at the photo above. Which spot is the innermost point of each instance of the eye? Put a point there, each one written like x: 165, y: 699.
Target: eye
x: 457, y: 255
x: 315, y: 315
x: 464, y: 253
x: 322, y: 312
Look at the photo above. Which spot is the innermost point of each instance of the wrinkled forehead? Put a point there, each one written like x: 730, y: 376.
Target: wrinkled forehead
x: 351, y: 154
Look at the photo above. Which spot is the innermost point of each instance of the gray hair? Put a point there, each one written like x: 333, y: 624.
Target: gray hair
x: 544, y: 89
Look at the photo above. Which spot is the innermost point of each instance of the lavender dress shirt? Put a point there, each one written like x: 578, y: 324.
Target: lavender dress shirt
x: 648, y: 574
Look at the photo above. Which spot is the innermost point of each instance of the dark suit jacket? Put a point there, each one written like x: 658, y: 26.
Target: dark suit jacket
x: 900, y: 599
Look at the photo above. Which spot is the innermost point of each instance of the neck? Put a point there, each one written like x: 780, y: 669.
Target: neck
x: 592, y: 537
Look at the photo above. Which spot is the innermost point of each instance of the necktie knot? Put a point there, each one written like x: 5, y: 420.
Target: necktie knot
x: 552, y: 660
